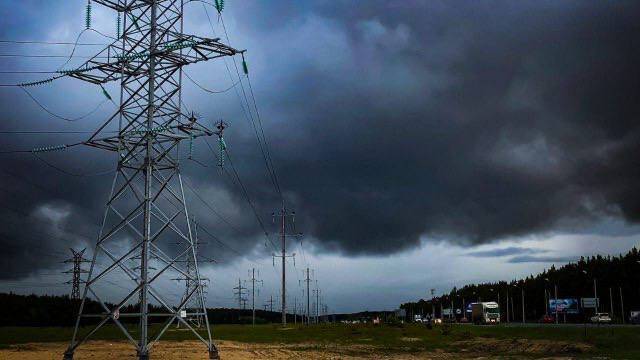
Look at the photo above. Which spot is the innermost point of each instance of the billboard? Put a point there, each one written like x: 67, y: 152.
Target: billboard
x: 563, y: 306
x: 590, y: 303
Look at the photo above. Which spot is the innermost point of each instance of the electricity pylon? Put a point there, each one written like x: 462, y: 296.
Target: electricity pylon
x: 146, y: 209
x: 76, y: 259
x: 283, y: 214
x: 252, y: 274
x: 307, y: 280
x: 269, y: 304
x: 240, y: 292
x: 191, y: 306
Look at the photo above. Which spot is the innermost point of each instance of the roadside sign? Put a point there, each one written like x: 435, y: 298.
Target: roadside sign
x: 183, y: 313
x: 446, y: 311
x: 458, y: 311
x: 116, y: 314
x: 590, y: 303
x: 564, y: 306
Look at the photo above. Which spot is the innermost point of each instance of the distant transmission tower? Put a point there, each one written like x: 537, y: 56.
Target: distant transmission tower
x: 76, y: 259
x: 283, y: 215
x: 192, y: 304
x: 254, y: 280
x: 240, y: 291
x: 146, y: 211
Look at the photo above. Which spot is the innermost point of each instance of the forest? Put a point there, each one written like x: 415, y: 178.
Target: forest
x: 616, y: 278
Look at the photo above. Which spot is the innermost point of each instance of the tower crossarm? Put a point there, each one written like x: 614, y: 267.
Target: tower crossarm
x: 121, y: 58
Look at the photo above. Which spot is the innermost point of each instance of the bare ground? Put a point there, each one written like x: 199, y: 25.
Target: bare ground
x: 191, y: 350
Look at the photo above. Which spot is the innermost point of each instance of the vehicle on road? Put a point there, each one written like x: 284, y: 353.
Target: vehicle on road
x: 635, y: 318
x: 485, y: 313
x: 548, y: 319
x: 601, y: 318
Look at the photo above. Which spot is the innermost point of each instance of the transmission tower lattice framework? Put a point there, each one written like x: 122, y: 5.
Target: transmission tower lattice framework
x: 146, y: 210
x: 76, y: 259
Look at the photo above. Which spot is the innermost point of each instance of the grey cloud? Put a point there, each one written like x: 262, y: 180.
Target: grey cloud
x: 541, y: 259
x: 513, y: 250
x: 389, y: 123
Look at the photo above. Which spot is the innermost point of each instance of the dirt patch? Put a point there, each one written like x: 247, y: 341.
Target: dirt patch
x: 484, y: 348
x: 191, y: 350
x: 521, y: 346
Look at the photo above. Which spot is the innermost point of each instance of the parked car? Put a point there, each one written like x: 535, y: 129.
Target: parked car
x: 601, y: 318
x: 548, y: 319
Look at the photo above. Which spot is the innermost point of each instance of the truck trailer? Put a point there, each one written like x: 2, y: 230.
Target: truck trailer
x: 485, y: 313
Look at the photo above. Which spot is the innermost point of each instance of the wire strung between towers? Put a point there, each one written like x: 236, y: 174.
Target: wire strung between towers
x: 209, y: 90
x: 248, y: 114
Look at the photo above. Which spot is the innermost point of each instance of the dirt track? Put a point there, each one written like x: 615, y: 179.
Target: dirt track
x: 192, y: 350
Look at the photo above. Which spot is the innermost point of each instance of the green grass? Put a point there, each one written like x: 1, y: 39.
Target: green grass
x: 612, y: 342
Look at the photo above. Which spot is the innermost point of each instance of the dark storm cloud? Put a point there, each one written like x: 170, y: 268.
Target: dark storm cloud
x: 512, y: 250
x: 396, y: 121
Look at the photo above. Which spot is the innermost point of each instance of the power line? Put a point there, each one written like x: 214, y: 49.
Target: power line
x: 49, y: 43
x: 59, y: 116
x: 209, y: 90
x: 248, y: 114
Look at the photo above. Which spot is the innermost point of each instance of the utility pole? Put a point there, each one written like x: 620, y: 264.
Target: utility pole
x: 611, y: 301
x: 239, y: 292
x: 295, y: 310
x: 621, y: 304
x: 523, y: 314
x: 76, y: 259
x: 595, y: 295
x: 146, y: 60
x: 317, y: 291
x: 507, y: 305
x: 307, y: 280
x: 284, y: 214
x: 253, y: 280
x: 555, y: 289
x: 433, y: 310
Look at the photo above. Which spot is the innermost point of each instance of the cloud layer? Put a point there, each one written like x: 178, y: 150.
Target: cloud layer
x: 389, y: 123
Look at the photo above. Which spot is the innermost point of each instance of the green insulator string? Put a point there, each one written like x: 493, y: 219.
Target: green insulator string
x: 190, y: 146
x: 49, y: 148
x: 88, y: 15
x: 219, y: 4
x: 118, y: 21
x: 245, y: 68
x: 223, y: 147
x: 105, y: 93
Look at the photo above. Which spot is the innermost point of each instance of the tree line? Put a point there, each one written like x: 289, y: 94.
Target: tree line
x: 617, y: 283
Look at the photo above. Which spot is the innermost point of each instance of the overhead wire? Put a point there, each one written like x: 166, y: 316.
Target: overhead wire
x: 246, y: 112
x: 59, y: 116
x: 209, y: 90
x: 38, y: 42
x: 264, y: 138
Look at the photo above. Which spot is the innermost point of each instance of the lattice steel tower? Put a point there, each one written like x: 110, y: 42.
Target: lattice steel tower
x: 76, y: 259
x: 146, y: 211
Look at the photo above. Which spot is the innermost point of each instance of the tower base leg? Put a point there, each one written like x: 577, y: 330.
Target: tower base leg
x: 68, y: 355
x: 143, y: 355
x: 213, y: 354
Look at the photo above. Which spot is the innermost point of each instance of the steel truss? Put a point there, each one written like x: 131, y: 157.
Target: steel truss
x: 146, y: 212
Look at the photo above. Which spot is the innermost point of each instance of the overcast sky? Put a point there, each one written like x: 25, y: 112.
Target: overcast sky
x: 422, y: 144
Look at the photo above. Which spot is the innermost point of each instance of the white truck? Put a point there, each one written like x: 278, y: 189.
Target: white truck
x: 485, y: 313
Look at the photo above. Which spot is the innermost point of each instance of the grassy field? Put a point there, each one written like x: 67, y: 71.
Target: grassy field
x: 612, y: 342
